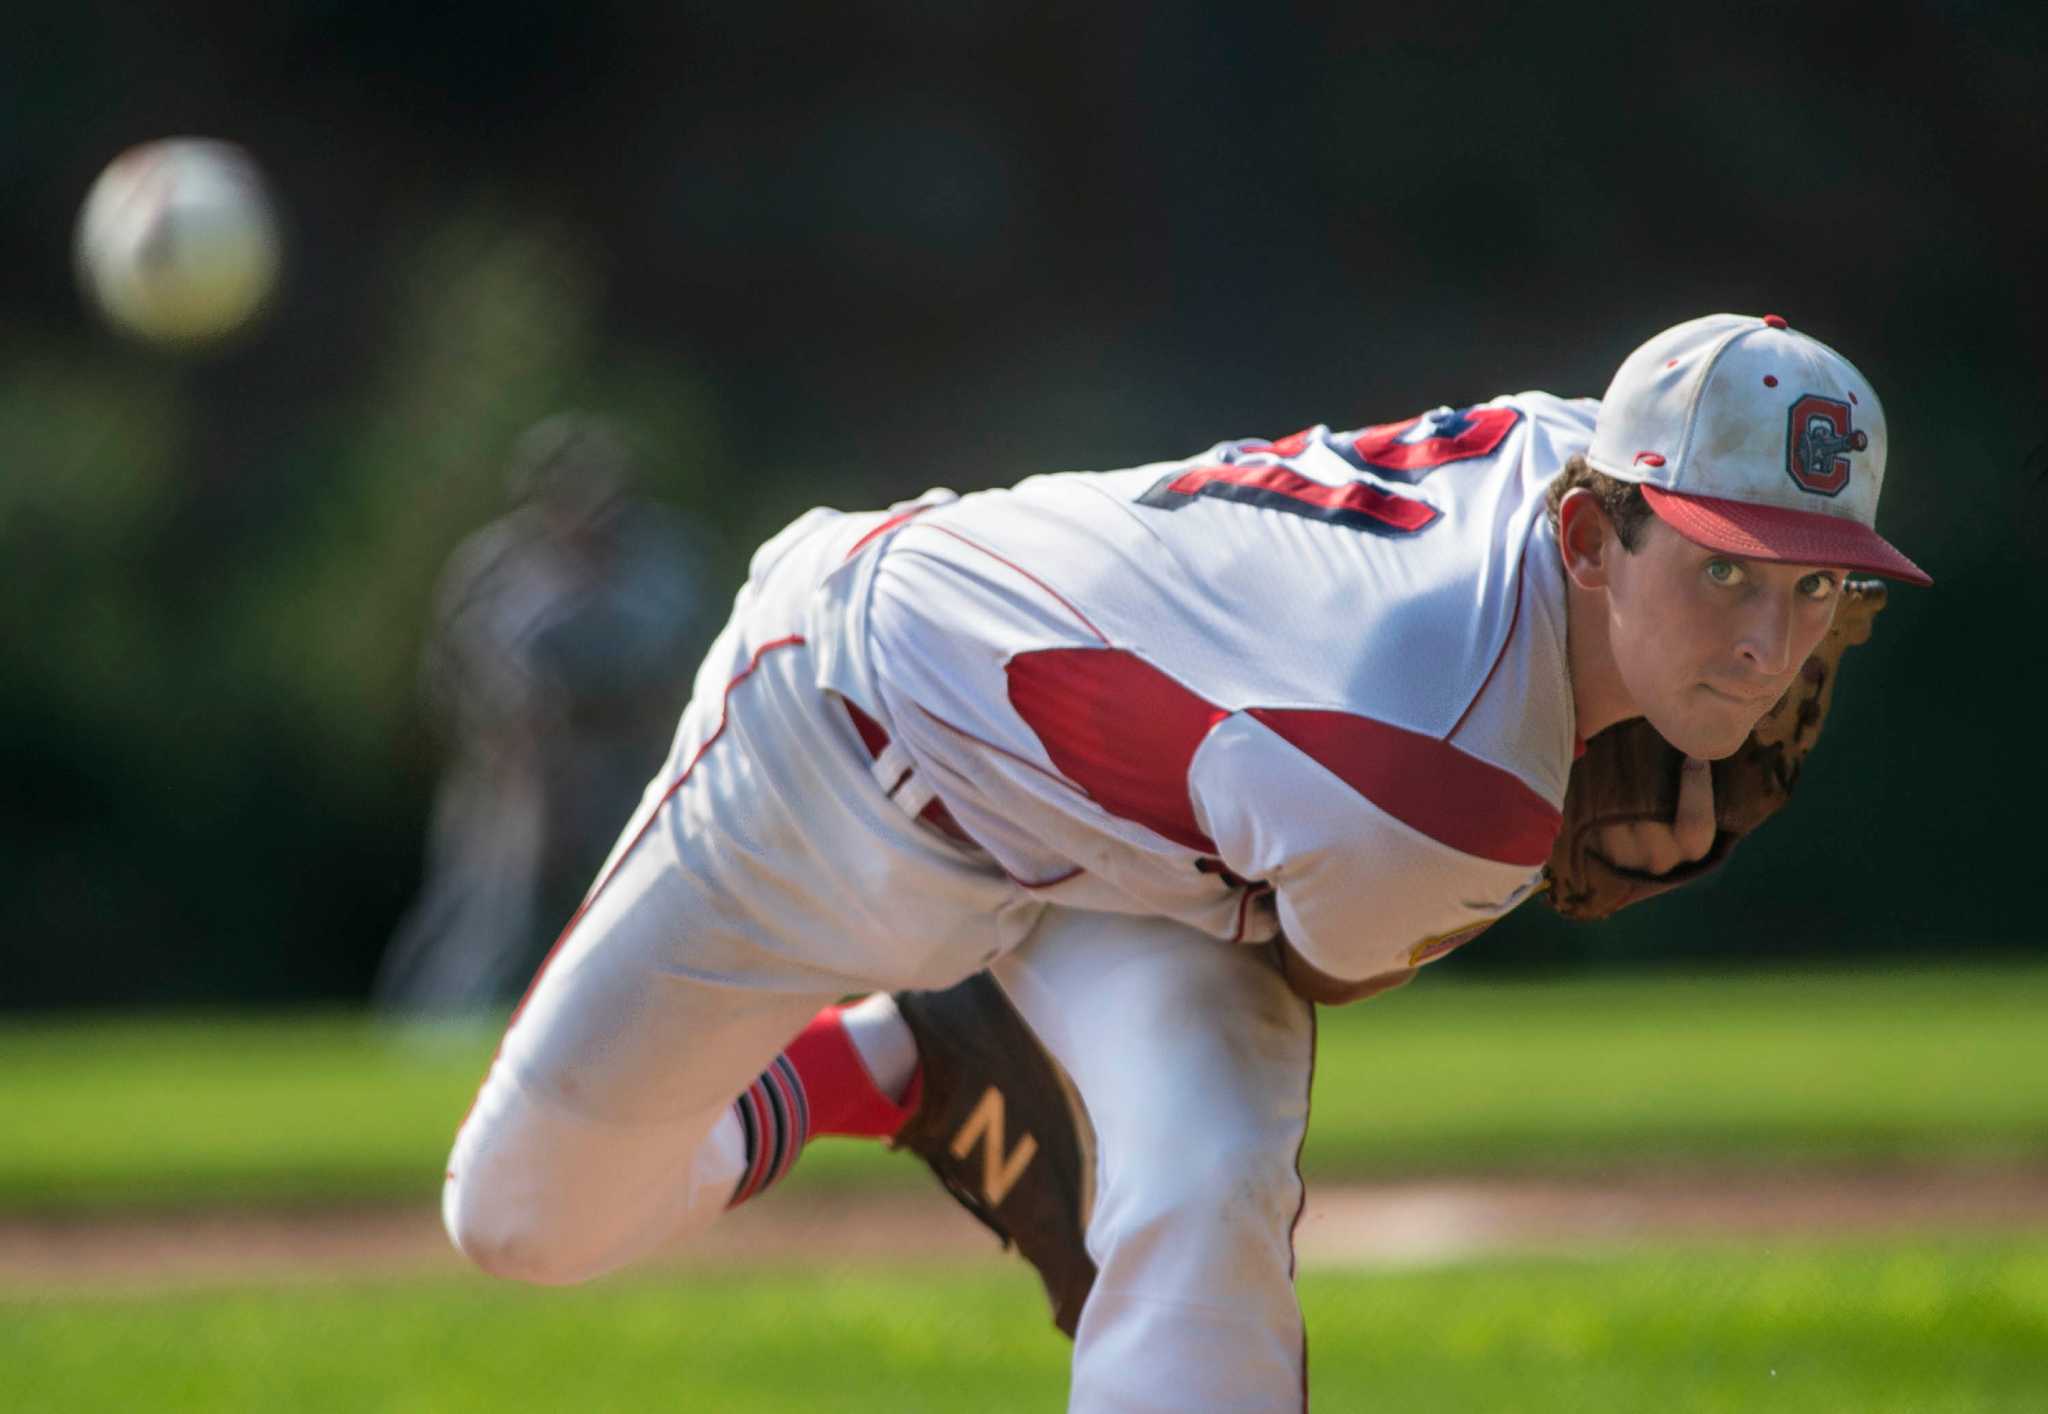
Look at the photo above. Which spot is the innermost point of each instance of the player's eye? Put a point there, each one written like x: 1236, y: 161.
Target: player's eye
x: 1820, y: 586
x: 1724, y: 572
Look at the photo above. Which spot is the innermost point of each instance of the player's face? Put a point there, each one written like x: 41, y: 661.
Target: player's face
x: 1706, y: 643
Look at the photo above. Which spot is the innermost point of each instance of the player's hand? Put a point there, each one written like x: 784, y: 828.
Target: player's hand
x: 1652, y: 847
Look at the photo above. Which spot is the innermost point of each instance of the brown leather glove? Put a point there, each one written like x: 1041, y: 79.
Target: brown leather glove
x: 1630, y: 774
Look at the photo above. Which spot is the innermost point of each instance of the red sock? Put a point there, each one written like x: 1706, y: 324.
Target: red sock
x: 842, y: 1095
x: 818, y: 1085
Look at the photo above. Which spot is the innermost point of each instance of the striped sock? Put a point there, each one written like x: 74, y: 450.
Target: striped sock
x: 819, y: 1085
x: 775, y: 1118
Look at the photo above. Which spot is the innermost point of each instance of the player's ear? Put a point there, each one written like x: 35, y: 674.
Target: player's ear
x: 1587, y: 538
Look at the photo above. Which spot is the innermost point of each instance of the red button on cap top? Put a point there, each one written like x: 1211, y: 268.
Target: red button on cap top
x: 1776, y: 321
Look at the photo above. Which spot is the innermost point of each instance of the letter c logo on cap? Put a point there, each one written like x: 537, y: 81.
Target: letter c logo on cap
x: 1818, y: 438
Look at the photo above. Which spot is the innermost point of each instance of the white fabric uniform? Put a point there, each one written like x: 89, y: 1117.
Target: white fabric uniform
x: 1316, y: 685
x: 1297, y: 661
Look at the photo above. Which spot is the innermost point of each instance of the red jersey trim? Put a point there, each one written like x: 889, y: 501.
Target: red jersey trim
x: 1057, y: 597
x: 1120, y: 729
x: 1514, y: 622
x: 1248, y: 892
x: 1427, y: 784
x: 1057, y: 879
x: 1125, y: 733
x: 884, y: 528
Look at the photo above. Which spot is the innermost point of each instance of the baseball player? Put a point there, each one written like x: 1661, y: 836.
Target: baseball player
x: 558, y: 656
x: 1174, y: 752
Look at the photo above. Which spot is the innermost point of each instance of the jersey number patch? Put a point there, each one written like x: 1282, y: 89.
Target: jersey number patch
x: 1257, y: 473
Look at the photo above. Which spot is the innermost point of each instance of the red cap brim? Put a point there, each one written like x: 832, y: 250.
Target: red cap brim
x: 1754, y: 532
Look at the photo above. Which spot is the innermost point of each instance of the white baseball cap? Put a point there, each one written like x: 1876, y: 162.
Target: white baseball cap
x: 1751, y: 438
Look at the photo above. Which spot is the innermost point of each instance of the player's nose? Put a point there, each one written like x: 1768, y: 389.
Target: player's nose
x: 1765, y: 642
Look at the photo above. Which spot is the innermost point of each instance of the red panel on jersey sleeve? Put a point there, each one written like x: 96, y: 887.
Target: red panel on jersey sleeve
x: 1126, y: 733
x: 1120, y: 729
x: 1425, y: 783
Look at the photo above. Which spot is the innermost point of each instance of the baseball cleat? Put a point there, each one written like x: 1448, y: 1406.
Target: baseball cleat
x: 1001, y: 1126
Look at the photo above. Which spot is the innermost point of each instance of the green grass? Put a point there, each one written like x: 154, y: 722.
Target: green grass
x: 1867, y: 1066
x: 228, y: 1109
x: 1447, y: 1074
x: 1930, y: 1328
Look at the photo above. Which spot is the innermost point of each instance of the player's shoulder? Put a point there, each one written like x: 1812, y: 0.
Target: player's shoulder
x: 1553, y: 429
x: 1550, y: 408
x: 1542, y: 427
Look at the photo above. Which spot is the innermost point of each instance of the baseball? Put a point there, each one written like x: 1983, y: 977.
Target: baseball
x: 178, y: 241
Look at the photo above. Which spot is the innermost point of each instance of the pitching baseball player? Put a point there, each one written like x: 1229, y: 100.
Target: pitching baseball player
x: 1173, y: 752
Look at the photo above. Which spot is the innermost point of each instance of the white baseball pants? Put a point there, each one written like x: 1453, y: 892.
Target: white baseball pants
x: 766, y: 874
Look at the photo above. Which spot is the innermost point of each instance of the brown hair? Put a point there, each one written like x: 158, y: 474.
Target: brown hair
x: 1622, y: 500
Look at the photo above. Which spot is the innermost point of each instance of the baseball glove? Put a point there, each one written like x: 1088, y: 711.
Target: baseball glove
x: 1003, y: 1130
x: 1630, y: 774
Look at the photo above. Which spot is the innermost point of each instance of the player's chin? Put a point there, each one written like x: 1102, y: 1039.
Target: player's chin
x: 1708, y: 730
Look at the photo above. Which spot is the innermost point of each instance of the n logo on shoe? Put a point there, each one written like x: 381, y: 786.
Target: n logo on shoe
x: 999, y: 1171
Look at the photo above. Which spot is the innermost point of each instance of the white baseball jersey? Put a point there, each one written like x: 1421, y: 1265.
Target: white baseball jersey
x: 1317, y: 685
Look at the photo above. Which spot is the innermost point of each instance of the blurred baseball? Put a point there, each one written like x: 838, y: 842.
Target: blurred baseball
x: 178, y: 241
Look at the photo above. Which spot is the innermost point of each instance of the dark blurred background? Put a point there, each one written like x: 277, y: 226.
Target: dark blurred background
x: 840, y: 253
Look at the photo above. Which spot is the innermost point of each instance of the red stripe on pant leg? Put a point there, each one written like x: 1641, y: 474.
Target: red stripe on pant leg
x: 1300, y: 1207
x: 725, y: 698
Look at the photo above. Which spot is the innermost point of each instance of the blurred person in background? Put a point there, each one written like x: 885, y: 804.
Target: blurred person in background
x: 564, y: 638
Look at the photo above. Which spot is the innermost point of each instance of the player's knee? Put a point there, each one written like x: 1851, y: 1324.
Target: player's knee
x: 511, y: 1222
x: 507, y: 1241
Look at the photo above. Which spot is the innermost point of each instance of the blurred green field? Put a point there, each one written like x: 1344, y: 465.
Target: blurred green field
x: 1865, y: 1067
x: 1841, y: 1066
x: 1929, y: 1328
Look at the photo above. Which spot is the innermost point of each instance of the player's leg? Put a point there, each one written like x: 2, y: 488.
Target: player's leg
x: 533, y: 1188
x: 765, y: 874
x: 608, y: 1123
x: 605, y: 1126
x: 1194, y: 1061
x: 852, y: 1071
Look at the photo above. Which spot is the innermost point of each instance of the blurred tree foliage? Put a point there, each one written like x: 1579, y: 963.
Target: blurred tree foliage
x: 221, y: 759
x: 840, y: 253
